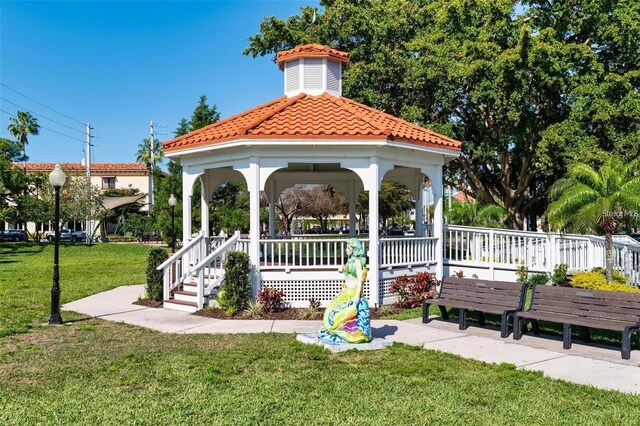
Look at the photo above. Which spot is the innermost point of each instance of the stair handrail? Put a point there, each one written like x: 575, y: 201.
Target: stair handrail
x: 207, y: 261
x: 175, y: 268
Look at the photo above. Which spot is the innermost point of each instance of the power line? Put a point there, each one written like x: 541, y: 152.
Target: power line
x: 31, y: 99
x: 46, y: 128
x: 40, y: 115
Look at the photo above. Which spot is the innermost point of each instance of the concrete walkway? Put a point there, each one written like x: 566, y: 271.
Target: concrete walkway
x: 599, y: 366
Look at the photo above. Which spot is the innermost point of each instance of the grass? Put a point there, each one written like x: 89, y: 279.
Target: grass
x: 26, y: 276
x: 97, y: 372
x: 130, y: 375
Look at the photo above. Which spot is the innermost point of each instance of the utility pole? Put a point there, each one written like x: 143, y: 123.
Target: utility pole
x: 87, y: 162
x: 152, y: 163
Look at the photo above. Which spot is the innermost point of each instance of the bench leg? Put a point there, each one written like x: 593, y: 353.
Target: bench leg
x: 443, y: 311
x: 504, y: 325
x: 535, y: 326
x: 566, y: 336
x: 425, y: 312
x: 481, y: 321
x: 584, y: 334
x: 462, y: 322
x: 626, y: 343
x: 517, y: 327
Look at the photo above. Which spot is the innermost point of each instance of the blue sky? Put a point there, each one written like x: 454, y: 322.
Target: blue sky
x: 119, y: 65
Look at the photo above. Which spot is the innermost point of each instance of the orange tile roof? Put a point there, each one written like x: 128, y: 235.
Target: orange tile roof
x: 312, y: 117
x: 311, y: 50
x: 77, y: 167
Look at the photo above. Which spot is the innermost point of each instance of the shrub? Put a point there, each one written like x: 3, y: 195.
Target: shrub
x: 253, y: 310
x: 413, y: 290
x: 523, y: 274
x: 538, y: 279
x: 458, y: 274
x: 154, y: 277
x: 618, y: 276
x: 596, y: 280
x: 235, y: 291
x: 559, y: 275
x: 312, y: 312
x: 271, y: 299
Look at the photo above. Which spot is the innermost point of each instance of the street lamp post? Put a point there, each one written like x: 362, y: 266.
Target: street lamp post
x: 172, y: 204
x: 57, y: 179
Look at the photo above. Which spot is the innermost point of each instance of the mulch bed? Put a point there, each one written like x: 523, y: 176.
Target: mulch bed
x: 286, y: 314
x: 292, y: 314
x: 148, y: 303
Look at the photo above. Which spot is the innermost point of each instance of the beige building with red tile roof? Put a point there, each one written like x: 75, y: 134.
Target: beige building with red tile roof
x: 313, y: 135
x: 103, y: 176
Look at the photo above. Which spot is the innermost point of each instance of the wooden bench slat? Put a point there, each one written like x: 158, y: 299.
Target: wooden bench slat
x: 612, y: 302
x: 578, y: 321
x: 564, y: 304
x: 512, y: 293
x: 478, y: 283
x: 459, y: 292
x: 585, y: 313
x: 596, y: 294
x: 485, y: 297
x: 494, y: 309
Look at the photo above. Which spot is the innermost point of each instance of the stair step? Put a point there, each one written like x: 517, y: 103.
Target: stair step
x: 185, y: 292
x: 180, y: 305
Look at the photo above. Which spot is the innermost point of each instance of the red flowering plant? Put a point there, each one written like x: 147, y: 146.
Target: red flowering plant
x: 412, y: 290
x: 271, y: 299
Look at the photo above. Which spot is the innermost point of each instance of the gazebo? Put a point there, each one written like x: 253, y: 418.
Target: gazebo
x: 311, y: 135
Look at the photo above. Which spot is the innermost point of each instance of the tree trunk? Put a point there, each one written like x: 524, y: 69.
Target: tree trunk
x: 608, y: 250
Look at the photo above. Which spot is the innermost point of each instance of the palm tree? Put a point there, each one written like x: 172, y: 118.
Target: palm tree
x: 144, y: 152
x: 20, y: 127
x: 473, y: 213
x: 596, y: 199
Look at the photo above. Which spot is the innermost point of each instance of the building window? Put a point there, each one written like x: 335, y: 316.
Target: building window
x: 108, y: 183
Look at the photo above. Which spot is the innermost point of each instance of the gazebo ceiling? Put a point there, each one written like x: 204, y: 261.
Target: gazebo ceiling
x: 318, y: 118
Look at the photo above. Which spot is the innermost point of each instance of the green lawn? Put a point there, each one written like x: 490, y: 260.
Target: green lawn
x: 26, y: 276
x: 93, y: 371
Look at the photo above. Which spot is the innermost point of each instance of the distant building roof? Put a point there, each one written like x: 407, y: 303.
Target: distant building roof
x: 97, y: 168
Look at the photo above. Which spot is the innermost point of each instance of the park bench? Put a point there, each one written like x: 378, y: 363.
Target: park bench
x: 608, y: 310
x: 496, y: 297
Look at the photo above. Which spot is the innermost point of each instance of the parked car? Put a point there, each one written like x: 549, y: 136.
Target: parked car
x: 13, y: 235
x: 394, y: 231
x: 67, y: 235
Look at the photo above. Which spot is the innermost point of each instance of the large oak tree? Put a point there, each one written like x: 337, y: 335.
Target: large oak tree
x: 528, y: 87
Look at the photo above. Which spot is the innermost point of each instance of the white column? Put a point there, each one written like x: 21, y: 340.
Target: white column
x: 253, y: 185
x: 204, y: 207
x: 419, y: 202
x: 352, y: 209
x: 373, y: 185
x: 187, y: 190
x: 436, y: 187
x: 272, y: 209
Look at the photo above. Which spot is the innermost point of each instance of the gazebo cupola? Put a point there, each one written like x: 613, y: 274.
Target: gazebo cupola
x: 312, y: 69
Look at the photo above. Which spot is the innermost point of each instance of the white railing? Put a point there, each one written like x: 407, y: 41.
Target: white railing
x: 176, y: 268
x: 412, y: 251
x: 540, y: 252
x: 304, y: 253
x: 211, y: 268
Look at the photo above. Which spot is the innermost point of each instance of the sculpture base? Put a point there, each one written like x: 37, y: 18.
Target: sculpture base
x: 312, y: 339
